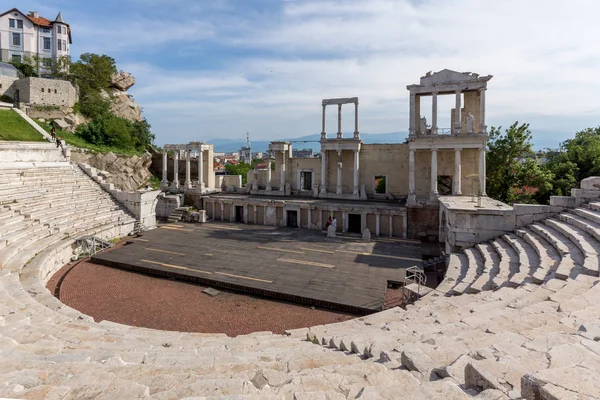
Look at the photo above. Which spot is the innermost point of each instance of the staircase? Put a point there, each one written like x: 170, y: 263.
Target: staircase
x: 178, y: 214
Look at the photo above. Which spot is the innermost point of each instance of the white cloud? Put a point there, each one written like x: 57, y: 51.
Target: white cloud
x: 543, y: 55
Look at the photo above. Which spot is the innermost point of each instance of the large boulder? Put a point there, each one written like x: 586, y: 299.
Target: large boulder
x: 123, y: 106
x: 122, y: 81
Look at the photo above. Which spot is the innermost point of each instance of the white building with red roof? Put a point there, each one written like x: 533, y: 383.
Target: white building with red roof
x: 27, y: 35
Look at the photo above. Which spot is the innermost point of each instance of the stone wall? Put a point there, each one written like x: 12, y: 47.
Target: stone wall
x: 423, y: 223
x: 167, y: 204
x: 46, y: 92
x: 125, y: 173
x: 28, y: 152
x: 7, y: 86
x: 390, y: 160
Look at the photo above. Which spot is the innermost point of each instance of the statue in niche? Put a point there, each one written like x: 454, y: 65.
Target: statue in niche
x: 423, y: 126
x: 470, y: 123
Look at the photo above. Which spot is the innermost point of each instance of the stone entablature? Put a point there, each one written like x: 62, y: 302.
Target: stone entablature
x: 467, y: 120
x: 205, y: 181
x: 380, y: 218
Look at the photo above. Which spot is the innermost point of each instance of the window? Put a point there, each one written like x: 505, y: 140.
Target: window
x: 380, y: 184
x: 46, y: 43
x: 444, y: 184
x: 45, y: 30
x: 59, y: 29
x: 306, y: 180
x: 20, y: 24
x: 16, y: 58
x: 42, y: 90
x: 16, y: 39
x: 59, y: 45
x: 12, y: 23
x: 47, y: 62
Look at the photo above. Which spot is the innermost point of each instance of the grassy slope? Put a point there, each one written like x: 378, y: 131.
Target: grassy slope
x: 76, y: 141
x: 13, y: 127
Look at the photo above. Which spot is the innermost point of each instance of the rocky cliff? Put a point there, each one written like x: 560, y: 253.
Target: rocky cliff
x: 126, y: 173
x: 123, y: 104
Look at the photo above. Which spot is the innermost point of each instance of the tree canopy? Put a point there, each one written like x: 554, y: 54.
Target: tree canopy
x: 513, y: 172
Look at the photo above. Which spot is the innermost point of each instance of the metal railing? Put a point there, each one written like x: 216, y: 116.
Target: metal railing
x: 417, y: 275
x: 87, y: 246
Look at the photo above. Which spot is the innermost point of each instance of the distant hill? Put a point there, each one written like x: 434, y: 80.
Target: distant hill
x: 305, y: 142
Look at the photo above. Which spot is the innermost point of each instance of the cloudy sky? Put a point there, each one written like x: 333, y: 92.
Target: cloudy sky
x: 218, y: 68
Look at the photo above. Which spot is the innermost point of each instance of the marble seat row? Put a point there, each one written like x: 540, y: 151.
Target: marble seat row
x: 50, y: 351
x: 511, y: 315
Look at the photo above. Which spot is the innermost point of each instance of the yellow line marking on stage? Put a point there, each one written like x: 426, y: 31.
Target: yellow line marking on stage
x: 176, y: 229
x: 380, y: 255
x: 209, y: 255
x: 244, y: 277
x: 177, y: 226
x: 177, y: 266
x: 139, y: 240
x: 284, y: 250
x: 165, y: 251
x: 319, y: 250
x: 311, y: 263
x: 212, y: 226
x: 398, y: 240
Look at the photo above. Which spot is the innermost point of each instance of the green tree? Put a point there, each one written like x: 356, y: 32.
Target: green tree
x: 93, y: 72
x: 93, y: 104
x: 564, y: 172
x: 584, y: 151
x: 28, y: 67
x: 513, y: 173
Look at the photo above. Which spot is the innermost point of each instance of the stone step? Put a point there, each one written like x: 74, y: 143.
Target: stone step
x: 588, y: 246
x: 571, y: 256
x: 508, y: 266
x: 593, y: 205
x: 549, y: 259
x: 529, y: 261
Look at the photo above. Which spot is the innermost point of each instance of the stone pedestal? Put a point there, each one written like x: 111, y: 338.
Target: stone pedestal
x: 366, y: 235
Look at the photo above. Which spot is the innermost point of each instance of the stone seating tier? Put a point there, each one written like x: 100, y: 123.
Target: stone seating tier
x: 514, y: 317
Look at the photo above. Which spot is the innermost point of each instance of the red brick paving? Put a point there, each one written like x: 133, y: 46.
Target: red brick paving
x: 139, y: 300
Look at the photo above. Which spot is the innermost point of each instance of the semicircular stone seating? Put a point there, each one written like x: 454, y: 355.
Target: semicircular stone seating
x: 514, y: 317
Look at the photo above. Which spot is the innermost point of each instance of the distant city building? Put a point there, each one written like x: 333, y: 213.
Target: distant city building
x: 246, y: 151
x: 219, y: 154
x: 303, y: 153
x: 258, y: 154
x: 28, y: 35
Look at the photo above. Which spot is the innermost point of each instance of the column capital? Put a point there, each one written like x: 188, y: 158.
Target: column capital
x: 458, y: 149
x: 433, y: 148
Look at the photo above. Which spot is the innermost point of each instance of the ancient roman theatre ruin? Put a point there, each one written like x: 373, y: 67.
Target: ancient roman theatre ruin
x: 514, y: 314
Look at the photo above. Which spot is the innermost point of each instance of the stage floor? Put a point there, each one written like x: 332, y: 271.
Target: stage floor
x: 292, y: 264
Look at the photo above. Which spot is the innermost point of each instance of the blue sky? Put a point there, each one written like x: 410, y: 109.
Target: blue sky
x: 216, y: 69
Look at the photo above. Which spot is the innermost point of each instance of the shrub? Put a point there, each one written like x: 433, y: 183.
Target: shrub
x: 5, y: 98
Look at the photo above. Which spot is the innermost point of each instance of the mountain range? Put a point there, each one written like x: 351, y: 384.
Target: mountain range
x: 304, y: 142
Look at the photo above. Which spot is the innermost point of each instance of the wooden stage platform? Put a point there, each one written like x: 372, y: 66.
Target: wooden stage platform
x: 296, y: 265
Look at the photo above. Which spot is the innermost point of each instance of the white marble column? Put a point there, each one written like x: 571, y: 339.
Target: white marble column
x: 323, y: 133
x: 309, y: 224
x: 482, y: 182
x: 282, y: 181
x: 175, y: 183
x: 404, y: 225
x: 232, y: 213
x: 188, y: 170
x: 457, y: 121
x: 265, y: 215
x: 269, y: 171
x: 482, y: 126
x: 165, y: 163
x: 323, y: 171
x: 255, y: 214
x: 411, y: 176
x: 363, y: 222
x: 201, y: 169
x: 391, y: 225
x: 356, y: 134
x: 457, y: 173
x: 434, y: 107
x: 339, y: 132
x: 222, y: 211
x: 245, y: 214
x: 339, y: 173
x: 434, y: 173
x: 377, y: 223
x: 411, y: 115
x: 344, y: 222
x: 355, y: 191
x: 321, y: 225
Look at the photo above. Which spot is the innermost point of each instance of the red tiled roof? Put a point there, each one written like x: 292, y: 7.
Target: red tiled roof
x: 40, y: 21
